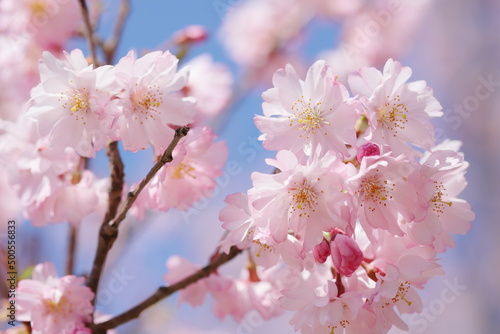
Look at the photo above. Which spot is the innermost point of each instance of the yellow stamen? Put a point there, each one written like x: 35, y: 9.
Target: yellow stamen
x: 393, y: 115
x: 38, y: 7
x: 145, y: 102
x: 437, y: 202
x: 181, y: 170
x: 375, y: 190
x: 308, y: 115
x: 304, y: 198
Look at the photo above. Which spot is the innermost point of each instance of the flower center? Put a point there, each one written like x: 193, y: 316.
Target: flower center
x: 400, y: 295
x: 375, y: 190
x: 438, y: 205
x: 145, y: 102
x: 80, y: 102
x: 308, y: 116
x: 38, y: 7
x: 263, y: 248
x: 393, y: 115
x: 181, y: 170
x: 304, y: 198
x: 77, y: 103
x: 342, y: 323
x: 60, y: 307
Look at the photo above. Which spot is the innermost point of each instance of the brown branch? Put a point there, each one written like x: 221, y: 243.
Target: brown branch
x: 166, y: 291
x: 109, y: 229
x: 70, y: 260
x: 165, y: 158
x: 108, y: 235
x: 88, y: 31
x: 28, y: 328
x: 117, y: 180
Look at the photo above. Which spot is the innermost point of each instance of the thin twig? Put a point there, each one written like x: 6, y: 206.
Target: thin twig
x: 165, y: 158
x: 70, y: 260
x: 88, y: 31
x: 111, y: 45
x: 109, y: 229
x: 166, y: 291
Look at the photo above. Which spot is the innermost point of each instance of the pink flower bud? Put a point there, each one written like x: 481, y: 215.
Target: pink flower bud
x: 190, y: 34
x: 322, y: 251
x: 367, y: 150
x: 346, y: 254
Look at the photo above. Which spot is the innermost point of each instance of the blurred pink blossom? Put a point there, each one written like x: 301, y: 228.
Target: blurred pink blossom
x: 47, y: 23
x: 254, y: 30
x: 210, y: 84
x: 53, y: 304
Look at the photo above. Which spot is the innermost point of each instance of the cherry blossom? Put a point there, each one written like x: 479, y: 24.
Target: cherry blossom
x: 338, y: 8
x: 398, y: 112
x: 319, y: 305
x: 50, y: 185
x: 48, y: 23
x: 210, y: 84
x: 253, y: 31
x: 382, y: 192
x: 71, y: 105
x: 18, y: 76
x: 342, y: 228
x: 254, y: 290
x: 180, y: 268
x: 190, y: 34
x: 243, y: 232
x: 438, y: 182
x: 147, y: 101
x: 53, y: 304
x: 71, y: 201
x: 305, y: 198
x: 238, y: 221
x: 198, y: 161
x: 312, y: 114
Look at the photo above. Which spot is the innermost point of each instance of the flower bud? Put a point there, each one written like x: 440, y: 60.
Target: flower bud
x: 322, y: 251
x: 367, y: 150
x: 190, y: 34
x: 346, y: 254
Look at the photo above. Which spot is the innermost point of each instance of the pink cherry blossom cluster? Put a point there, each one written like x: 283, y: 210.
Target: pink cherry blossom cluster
x: 360, y: 204
x: 27, y: 28
x: 54, y: 304
x: 81, y: 107
x: 350, y: 222
x: 76, y: 109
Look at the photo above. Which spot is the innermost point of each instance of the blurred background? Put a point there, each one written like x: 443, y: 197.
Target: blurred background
x: 452, y: 44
